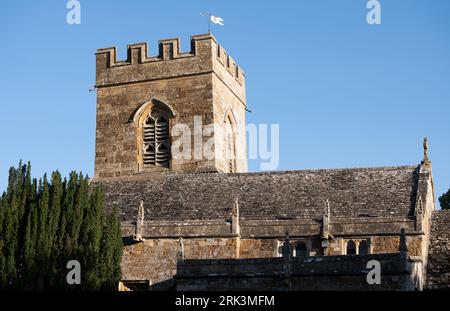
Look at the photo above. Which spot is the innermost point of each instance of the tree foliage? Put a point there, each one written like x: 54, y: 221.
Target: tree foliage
x: 445, y: 200
x: 45, y: 224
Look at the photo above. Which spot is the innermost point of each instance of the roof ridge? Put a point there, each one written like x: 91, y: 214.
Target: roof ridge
x: 380, y: 168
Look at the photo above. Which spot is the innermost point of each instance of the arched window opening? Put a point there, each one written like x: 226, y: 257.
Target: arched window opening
x: 301, y: 250
x: 230, y: 148
x: 156, y: 139
x: 363, y: 248
x: 351, y: 248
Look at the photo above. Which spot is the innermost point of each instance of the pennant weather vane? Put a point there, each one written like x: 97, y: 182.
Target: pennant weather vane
x: 212, y: 19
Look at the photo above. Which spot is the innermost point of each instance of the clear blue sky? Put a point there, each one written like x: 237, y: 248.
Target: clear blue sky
x: 346, y: 94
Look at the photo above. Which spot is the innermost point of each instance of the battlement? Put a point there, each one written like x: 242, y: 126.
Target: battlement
x: 228, y: 62
x: 170, y: 62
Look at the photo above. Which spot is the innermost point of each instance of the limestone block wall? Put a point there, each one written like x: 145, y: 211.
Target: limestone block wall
x: 253, y: 248
x: 423, y: 211
x: 228, y: 105
x: 384, y: 244
x: 211, y: 248
x: 155, y: 260
x: 152, y: 260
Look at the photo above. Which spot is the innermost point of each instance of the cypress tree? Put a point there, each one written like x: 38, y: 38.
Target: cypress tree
x: 107, y: 253
x: 81, y: 203
x: 42, y: 242
x: 44, y: 225
x: 29, y: 265
x: 11, y: 228
x: 56, y: 199
x: 115, y: 240
x: 69, y: 214
x: 2, y: 243
x: 93, y: 230
x: 60, y: 236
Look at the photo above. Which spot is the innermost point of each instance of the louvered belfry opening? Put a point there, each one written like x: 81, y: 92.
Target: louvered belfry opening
x: 156, y: 140
x: 230, y: 152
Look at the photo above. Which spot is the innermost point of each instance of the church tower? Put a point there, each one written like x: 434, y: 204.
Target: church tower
x: 176, y: 112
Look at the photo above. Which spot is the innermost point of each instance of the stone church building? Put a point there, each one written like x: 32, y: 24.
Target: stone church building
x: 205, y: 223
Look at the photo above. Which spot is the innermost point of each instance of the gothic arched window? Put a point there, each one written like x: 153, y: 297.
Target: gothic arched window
x: 156, y: 144
x: 301, y: 250
x: 230, y: 147
x: 351, y: 248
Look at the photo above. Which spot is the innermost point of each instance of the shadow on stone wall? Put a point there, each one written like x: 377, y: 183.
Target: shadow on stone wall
x: 292, y: 274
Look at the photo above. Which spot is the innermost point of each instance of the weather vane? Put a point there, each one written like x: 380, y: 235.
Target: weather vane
x: 213, y: 19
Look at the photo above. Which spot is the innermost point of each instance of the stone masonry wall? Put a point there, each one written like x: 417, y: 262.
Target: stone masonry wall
x: 266, y: 248
x: 155, y: 260
x: 228, y: 105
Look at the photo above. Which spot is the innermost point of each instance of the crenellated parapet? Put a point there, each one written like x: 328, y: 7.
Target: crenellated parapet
x: 228, y: 62
x: 205, y: 56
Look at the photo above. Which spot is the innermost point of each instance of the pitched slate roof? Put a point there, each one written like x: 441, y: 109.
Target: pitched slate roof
x: 361, y: 192
x: 438, y: 267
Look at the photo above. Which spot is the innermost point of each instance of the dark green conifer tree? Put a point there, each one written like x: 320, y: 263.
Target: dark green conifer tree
x: 45, y: 224
x: 2, y: 243
x: 444, y: 200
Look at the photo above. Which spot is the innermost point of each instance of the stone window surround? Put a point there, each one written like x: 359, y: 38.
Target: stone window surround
x: 139, y: 117
x: 357, y: 243
x: 230, y: 142
x: 294, y: 244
